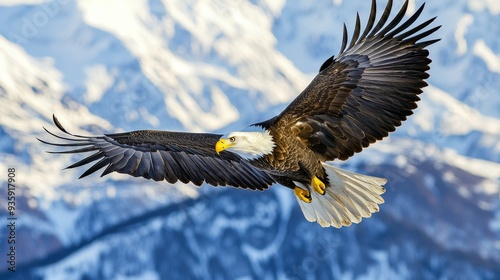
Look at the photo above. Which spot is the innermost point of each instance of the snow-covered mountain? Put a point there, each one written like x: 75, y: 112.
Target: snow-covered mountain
x: 109, y: 66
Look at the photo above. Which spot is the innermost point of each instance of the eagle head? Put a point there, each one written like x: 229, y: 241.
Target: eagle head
x: 247, y: 144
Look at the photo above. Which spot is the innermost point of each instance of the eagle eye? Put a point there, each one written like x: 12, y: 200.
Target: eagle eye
x: 232, y: 139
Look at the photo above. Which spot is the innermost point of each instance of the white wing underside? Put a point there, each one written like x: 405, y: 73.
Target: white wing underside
x: 349, y: 198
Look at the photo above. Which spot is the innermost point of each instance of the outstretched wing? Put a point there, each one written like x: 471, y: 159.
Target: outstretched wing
x: 366, y: 92
x: 164, y: 155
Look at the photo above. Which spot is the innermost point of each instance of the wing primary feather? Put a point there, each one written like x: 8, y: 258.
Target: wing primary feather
x: 344, y: 40
x: 407, y: 23
x: 396, y: 20
x: 357, y: 30
x: 383, y: 19
x: 110, y: 168
x: 371, y: 20
x: 64, y: 138
x: 327, y: 63
x: 65, y: 145
x: 82, y: 150
x: 427, y: 43
x: 422, y: 35
x: 87, y: 160
x: 59, y: 125
x: 415, y: 29
x: 100, y: 164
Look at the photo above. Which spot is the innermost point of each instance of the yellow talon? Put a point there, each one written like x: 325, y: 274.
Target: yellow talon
x: 318, y: 186
x: 304, y: 195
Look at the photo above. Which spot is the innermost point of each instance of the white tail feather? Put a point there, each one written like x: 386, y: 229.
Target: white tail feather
x: 349, y: 198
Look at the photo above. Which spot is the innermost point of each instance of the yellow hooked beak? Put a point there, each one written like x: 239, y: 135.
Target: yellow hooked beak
x: 223, y: 144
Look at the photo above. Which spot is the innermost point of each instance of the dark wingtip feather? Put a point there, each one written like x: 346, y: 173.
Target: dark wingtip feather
x: 108, y: 170
x: 44, y: 143
x: 371, y: 20
x: 87, y: 160
x: 60, y: 137
x: 427, y: 43
x: 397, y: 19
x: 416, y: 29
x: 357, y: 29
x: 345, y: 38
x: 415, y: 38
x: 383, y: 19
x: 58, y: 124
x: 64, y: 145
x: 409, y: 22
x: 81, y: 150
x: 327, y: 63
x: 100, y: 164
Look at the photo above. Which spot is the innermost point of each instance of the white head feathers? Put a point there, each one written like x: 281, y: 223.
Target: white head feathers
x: 251, y: 144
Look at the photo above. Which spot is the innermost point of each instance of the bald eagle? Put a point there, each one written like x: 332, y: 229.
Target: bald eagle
x: 356, y: 99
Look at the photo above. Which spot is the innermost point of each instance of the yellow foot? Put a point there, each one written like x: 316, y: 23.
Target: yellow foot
x: 304, y: 195
x: 318, y: 186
